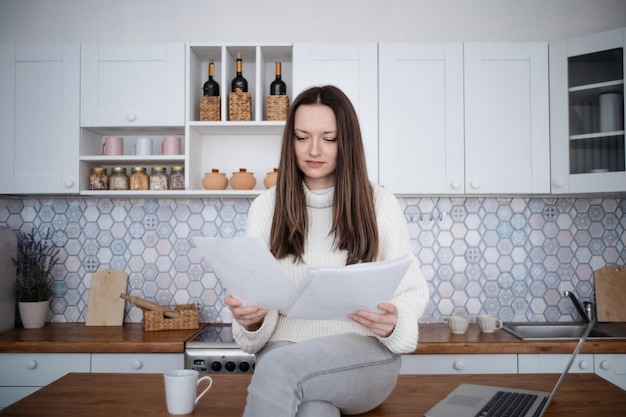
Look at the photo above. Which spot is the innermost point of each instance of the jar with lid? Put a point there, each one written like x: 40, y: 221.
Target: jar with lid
x: 98, y: 180
x: 177, y: 178
x: 158, y: 178
x: 118, y: 179
x: 139, y: 179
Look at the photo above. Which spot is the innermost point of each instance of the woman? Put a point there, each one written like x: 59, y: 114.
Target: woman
x: 324, y: 212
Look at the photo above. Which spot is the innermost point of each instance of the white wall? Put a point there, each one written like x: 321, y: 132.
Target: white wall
x: 305, y: 20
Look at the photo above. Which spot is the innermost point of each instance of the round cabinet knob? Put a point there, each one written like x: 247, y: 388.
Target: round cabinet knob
x: 131, y: 117
x: 458, y: 365
x: 31, y: 364
x: 475, y: 185
x: 557, y: 182
x: 584, y: 365
x: 455, y: 185
x: 605, y: 365
x: 69, y: 184
x: 137, y: 364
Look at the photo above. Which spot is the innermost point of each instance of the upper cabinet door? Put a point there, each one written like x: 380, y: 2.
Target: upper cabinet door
x: 352, y: 67
x: 133, y: 84
x: 40, y: 118
x: 587, y: 113
x: 421, y: 118
x: 506, y: 118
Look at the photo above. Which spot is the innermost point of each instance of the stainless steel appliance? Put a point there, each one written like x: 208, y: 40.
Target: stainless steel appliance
x: 213, y: 350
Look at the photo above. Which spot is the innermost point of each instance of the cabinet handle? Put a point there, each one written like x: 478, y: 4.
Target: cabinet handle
x: 558, y: 183
x: 69, y: 184
x: 131, y: 117
x: 458, y: 365
x: 605, y: 365
x: 455, y: 185
x: 584, y: 365
x: 31, y: 364
x: 475, y: 185
x: 137, y: 364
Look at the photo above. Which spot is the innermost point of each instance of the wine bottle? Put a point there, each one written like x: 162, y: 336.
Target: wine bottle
x: 239, y: 84
x: 211, y: 88
x: 278, y: 86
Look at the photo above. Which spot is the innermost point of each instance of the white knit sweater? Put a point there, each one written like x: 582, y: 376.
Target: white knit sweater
x: 410, y: 298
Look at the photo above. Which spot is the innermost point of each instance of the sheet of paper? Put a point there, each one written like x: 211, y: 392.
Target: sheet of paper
x: 248, y: 270
x: 333, y: 293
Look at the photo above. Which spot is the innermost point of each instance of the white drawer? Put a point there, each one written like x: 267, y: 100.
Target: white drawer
x: 39, y: 369
x: 459, y: 364
x: 136, y: 362
x: 553, y: 363
x: 9, y: 395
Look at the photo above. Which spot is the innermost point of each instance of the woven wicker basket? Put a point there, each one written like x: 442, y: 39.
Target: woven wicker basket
x: 239, y: 107
x: 156, y: 321
x: 277, y: 107
x: 210, y: 109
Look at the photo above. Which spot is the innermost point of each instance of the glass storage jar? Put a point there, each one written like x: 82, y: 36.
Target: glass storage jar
x: 139, y: 179
x: 118, y: 179
x: 98, y: 180
x: 177, y: 178
x: 158, y: 178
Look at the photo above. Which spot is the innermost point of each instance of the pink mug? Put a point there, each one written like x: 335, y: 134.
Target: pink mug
x: 170, y: 145
x: 113, y: 145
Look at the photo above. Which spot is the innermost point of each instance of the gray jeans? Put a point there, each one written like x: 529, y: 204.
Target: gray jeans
x: 324, y: 377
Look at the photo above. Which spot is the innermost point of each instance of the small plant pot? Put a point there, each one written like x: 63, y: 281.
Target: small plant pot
x: 34, y: 314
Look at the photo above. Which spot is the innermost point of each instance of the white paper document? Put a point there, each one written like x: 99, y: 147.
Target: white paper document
x: 249, y: 271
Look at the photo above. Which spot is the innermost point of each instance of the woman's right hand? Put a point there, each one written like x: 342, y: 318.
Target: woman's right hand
x: 250, y: 317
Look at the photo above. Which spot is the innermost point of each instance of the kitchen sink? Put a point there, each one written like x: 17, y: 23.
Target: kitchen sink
x: 559, y: 331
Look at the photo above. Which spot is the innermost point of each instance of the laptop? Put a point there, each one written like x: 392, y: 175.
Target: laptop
x: 471, y: 400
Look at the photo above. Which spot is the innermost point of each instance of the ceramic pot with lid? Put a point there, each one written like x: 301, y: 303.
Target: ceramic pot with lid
x: 242, y: 180
x: 214, y: 180
x: 270, y: 179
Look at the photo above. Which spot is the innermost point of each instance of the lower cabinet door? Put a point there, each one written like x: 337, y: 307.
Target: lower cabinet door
x: 135, y: 362
x: 459, y: 364
x: 554, y: 363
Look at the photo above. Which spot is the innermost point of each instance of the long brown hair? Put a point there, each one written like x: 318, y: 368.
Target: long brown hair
x: 354, y: 219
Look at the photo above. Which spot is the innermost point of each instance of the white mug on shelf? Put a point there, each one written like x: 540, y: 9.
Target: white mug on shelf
x: 143, y: 146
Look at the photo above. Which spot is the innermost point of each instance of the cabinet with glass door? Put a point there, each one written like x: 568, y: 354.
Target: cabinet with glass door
x: 587, y: 114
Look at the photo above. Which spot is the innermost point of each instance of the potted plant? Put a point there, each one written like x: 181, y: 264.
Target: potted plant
x: 35, y: 260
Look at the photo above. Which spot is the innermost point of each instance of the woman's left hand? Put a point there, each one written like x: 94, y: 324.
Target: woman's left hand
x: 381, y: 324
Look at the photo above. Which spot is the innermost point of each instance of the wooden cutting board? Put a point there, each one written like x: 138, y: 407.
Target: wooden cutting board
x: 611, y: 293
x: 105, y: 307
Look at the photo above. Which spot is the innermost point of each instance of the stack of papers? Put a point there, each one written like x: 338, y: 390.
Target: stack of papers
x: 249, y: 271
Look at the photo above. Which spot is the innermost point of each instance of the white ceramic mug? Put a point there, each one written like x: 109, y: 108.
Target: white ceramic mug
x: 143, y: 146
x: 113, y: 145
x: 457, y: 324
x: 488, y: 323
x: 170, y: 145
x: 181, y: 386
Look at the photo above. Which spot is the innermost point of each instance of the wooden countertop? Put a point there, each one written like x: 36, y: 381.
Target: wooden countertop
x: 108, y: 395
x: 78, y: 338
x: 130, y: 338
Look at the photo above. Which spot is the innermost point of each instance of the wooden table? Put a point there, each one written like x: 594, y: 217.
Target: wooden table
x: 119, y: 395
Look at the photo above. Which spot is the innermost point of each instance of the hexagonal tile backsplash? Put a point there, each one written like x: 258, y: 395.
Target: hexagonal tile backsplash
x: 512, y: 257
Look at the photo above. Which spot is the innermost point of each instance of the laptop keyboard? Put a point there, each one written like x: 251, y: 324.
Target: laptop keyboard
x: 507, y: 404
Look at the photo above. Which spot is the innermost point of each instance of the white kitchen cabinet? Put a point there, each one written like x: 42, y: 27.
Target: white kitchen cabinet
x: 421, y: 118
x: 136, y: 363
x: 230, y: 145
x: 459, y: 364
x: 133, y: 84
x: 352, y: 67
x: 612, y: 367
x: 587, y: 113
x: 554, y: 363
x: 39, y: 118
x: 24, y: 373
x: 506, y: 118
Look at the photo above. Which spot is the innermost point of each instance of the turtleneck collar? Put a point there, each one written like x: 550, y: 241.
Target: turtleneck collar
x: 319, y: 198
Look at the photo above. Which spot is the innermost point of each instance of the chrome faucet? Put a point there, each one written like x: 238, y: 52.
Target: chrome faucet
x: 585, y: 312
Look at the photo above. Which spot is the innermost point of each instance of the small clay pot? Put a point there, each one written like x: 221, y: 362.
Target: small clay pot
x: 270, y: 178
x: 242, y: 180
x: 215, y: 180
